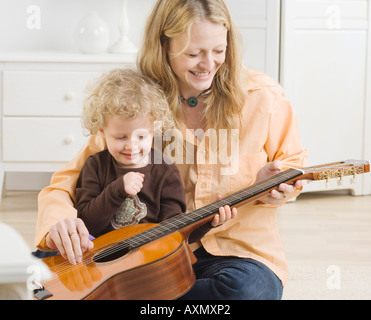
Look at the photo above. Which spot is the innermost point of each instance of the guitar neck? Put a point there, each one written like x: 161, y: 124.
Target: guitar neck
x: 187, y: 222
x: 184, y: 220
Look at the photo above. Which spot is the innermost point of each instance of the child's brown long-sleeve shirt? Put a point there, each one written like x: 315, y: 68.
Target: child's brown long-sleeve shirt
x: 103, y: 204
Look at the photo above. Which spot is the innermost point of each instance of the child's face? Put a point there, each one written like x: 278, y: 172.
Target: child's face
x: 129, y: 141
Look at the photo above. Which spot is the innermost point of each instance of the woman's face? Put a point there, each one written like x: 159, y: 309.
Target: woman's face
x: 196, y: 59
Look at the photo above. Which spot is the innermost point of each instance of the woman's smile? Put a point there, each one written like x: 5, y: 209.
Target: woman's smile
x: 196, y: 57
x: 200, y: 74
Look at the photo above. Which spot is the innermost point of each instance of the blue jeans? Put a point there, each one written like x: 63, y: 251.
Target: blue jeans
x: 232, y: 278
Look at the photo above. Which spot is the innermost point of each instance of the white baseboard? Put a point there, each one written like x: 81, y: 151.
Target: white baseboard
x: 27, y: 180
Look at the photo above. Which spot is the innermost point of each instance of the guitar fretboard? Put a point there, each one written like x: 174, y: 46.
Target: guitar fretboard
x: 183, y: 220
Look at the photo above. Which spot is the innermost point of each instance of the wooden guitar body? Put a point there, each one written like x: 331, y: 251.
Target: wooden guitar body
x: 164, y: 266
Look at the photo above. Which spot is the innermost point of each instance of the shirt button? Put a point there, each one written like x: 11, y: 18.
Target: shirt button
x: 203, y: 185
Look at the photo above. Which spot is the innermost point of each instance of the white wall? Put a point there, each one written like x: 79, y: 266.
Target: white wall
x: 58, y: 20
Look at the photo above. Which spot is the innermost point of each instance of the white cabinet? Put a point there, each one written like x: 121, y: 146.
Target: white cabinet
x: 41, y: 103
x: 325, y: 71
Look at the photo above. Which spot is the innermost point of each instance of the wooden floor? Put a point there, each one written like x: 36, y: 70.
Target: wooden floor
x: 323, y: 227
x: 327, y: 240
x: 19, y: 210
x: 326, y: 236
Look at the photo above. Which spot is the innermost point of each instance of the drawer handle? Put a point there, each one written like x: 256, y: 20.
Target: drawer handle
x: 69, y: 140
x: 70, y: 96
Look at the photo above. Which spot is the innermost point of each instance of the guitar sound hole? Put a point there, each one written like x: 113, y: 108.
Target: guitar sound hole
x: 111, y: 254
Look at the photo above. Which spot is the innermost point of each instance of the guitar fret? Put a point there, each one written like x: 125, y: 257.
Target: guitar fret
x: 255, y: 191
x: 180, y: 221
x: 148, y: 236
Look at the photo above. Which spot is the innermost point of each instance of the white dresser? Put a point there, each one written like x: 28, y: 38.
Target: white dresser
x: 41, y: 102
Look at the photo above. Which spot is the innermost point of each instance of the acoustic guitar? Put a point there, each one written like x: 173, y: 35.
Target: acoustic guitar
x: 154, y: 261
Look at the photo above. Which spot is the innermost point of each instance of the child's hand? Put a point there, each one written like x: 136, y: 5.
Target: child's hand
x: 133, y: 183
x: 225, y: 213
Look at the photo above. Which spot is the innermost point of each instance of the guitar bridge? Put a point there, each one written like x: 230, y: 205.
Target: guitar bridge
x: 40, y: 292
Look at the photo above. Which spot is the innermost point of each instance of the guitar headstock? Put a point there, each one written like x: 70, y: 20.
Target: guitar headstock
x: 337, y: 170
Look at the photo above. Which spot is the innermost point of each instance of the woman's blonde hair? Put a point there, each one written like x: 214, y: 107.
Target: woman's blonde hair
x: 171, y: 18
x: 126, y: 93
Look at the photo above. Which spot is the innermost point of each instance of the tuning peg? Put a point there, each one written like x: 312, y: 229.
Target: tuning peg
x: 325, y: 176
x: 340, y: 175
x: 352, y: 172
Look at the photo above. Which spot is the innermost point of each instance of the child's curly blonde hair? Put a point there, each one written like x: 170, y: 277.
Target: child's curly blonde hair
x: 126, y: 93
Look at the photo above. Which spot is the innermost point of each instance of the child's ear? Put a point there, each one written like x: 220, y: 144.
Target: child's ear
x: 101, y: 131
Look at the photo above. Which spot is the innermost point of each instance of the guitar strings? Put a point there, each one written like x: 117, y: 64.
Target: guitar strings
x: 88, y: 257
x: 94, y: 251
x: 177, y: 222
x: 162, y: 229
x: 65, y: 267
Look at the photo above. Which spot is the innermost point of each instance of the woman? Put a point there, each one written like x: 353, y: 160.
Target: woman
x: 236, y: 128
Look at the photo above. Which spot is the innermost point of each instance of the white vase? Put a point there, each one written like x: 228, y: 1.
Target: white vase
x: 123, y: 45
x: 93, y: 34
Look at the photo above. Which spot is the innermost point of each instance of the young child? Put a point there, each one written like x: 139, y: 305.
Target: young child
x: 123, y: 185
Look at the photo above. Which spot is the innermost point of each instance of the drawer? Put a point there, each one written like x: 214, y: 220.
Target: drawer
x: 44, y: 93
x: 41, y: 139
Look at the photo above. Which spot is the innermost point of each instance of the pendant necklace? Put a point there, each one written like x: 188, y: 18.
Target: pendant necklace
x: 192, y: 101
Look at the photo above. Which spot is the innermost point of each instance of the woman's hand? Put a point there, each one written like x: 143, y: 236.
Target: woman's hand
x: 276, y: 196
x: 71, y: 238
